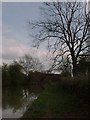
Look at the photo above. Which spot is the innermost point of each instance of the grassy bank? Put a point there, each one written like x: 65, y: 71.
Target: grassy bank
x: 57, y: 101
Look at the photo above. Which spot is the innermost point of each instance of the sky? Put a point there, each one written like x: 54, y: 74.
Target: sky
x: 15, y: 33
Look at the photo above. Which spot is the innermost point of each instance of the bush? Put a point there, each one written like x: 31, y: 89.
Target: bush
x: 77, y: 85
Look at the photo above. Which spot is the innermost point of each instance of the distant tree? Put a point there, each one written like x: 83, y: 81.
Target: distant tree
x: 30, y: 63
x: 66, y: 67
x: 5, y: 75
x: 15, y: 72
x: 4, y: 67
x: 82, y: 65
x: 64, y: 26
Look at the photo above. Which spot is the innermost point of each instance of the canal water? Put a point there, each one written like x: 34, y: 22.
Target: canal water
x: 15, y: 101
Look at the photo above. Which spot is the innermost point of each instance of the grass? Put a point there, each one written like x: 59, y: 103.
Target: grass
x: 55, y: 102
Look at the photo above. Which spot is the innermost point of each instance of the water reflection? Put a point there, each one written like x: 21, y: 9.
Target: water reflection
x: 15, y: 101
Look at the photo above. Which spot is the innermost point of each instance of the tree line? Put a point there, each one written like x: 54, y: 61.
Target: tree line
x: 18, y: 72
x: 28, y: 69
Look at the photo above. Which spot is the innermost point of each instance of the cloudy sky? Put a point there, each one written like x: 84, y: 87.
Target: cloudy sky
x: 15, y: 34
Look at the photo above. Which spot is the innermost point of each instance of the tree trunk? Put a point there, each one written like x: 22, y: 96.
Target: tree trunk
x: 74, y: 63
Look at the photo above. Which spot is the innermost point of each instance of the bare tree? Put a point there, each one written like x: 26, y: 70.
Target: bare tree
x: 30, y: 63
x: 64, y: 25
